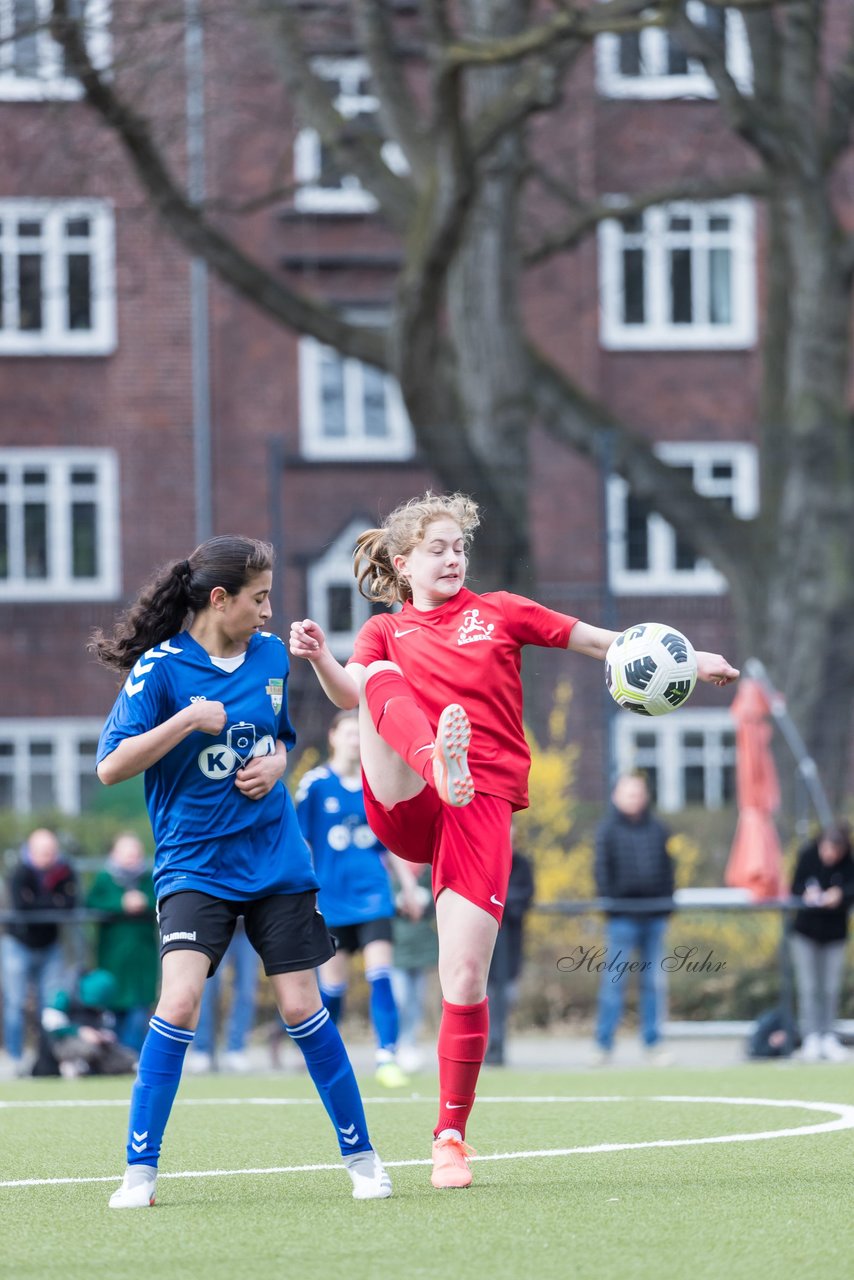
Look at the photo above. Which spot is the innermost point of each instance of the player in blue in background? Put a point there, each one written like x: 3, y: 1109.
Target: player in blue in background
x: 203, y: 714
x: 355, y: 891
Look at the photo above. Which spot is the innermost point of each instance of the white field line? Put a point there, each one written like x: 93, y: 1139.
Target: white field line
x: 844, y: 1119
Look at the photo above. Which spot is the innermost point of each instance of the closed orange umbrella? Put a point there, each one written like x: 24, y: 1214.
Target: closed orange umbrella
x: 756, y: 858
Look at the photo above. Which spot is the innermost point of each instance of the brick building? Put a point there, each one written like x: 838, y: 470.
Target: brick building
x: 101, y: 449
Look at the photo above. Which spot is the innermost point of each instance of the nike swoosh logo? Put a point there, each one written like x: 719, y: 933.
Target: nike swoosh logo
x: 454, y: 1106
x: 492, y: 898
x: 398, y: 634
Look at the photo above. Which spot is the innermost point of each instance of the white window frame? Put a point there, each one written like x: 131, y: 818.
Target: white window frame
x: 67, y: 768
x: 335, y: 569
x: 662, y: 576
x: 59, y: 584
x: 398, y: 443
x: 351, y: 100
x: 654, y: 81
x: 53, y: 244
x: 670, y: 756
x: 50, y: 84
x: 658, y: 331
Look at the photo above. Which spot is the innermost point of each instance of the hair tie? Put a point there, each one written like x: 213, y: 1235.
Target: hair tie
x: 183, y: 571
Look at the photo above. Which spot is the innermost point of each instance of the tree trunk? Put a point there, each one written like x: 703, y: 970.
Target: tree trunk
x: 795, y: 608
x: 492, y: 363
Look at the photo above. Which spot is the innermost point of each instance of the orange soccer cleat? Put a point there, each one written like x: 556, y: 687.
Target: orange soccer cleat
x: 450, y: 1163
x: 450, y: 766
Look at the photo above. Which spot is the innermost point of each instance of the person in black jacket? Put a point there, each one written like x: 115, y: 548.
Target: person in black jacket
x: 31, y: 953
x: 632, y: 862
x: 824, y: 880
x: 502, y: 985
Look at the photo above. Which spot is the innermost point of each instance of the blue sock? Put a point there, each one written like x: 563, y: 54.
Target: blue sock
x: 333, y: 998
x: 157, y: 1080
x: 383, y: 1008
x: 329, y: 1067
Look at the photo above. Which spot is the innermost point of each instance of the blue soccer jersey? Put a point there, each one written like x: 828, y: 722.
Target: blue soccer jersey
x: 348, y: 858
x: 208, y: 836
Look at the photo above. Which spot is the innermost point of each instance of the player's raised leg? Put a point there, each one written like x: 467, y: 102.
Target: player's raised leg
x: 391, y: 717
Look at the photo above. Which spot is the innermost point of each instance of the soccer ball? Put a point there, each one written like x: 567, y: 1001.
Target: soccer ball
x: 651, y: 669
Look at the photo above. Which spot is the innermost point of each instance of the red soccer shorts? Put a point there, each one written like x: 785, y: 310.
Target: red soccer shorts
x: 469, y: 848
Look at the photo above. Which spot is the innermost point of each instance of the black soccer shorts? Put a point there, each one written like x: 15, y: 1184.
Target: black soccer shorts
x: 286, y: 929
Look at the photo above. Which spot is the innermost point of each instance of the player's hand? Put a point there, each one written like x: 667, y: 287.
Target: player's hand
x: 134, y: 901
x: 208, y: 716
x: 307, y: 639
x: 714, y: 669
x: 257, y: 778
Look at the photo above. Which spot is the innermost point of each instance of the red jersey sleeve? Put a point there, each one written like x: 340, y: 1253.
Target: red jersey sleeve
x: 370, y: 645
x: 532, y: 623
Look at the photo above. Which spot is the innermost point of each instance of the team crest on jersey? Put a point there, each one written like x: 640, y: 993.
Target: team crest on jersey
x: 473, y: 629
x: 276, y: 692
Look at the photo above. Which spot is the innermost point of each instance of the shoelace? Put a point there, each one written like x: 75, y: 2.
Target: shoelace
x: 456, y: 1144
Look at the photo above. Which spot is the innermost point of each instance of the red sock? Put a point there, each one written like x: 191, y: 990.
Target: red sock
x: 463, y: 1033
x: 400, y: 721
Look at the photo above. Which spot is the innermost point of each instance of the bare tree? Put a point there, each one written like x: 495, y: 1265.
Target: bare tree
x: 473, y: 379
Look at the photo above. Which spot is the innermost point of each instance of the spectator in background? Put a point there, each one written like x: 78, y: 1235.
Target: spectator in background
x: 79, y: 1029
x: 128, y: 947
x: 242, y: 959
x: 30, y: 953
x: 502, y: 986
x: 632, y: 862
x: 415, y: 956
x: 824, y: 881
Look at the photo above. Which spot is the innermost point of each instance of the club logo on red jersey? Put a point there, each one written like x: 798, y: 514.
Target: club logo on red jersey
x: 473, y: 629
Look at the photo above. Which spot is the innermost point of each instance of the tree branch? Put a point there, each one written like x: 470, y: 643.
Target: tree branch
x: 588, y: 216
x: 186, y: 221
x: 398, y: 112
x: 580, y: 422
x: 357, y: 149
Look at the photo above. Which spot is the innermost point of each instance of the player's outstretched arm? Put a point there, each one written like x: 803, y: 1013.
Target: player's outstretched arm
x: 594, y: 641
x: 714, y: 668
x: 308, y: 641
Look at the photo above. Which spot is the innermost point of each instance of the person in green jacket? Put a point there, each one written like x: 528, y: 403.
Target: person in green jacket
x: 128, y: 947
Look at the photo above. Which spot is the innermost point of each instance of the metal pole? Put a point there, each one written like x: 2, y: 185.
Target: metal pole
x: 194, y: 63
x: 805, y: 764
x: 605, y: 455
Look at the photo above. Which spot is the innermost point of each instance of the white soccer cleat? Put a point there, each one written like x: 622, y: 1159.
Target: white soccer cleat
x: 137, y: 1189
x: 451, y: 775
x: 832, y: 1050
x: 368, y: 1175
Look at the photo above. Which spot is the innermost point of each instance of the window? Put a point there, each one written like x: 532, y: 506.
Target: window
x: 679, y: 276
x: 688, y: 758
x: 646, y: 556
x: 349, y: 409
x: 650, y: 63
x: 334, y: 600
x: 57, y: 291
x: 32, y: 65
x: 59, y: 525
x: 321, y: 187
x: 48, y: 764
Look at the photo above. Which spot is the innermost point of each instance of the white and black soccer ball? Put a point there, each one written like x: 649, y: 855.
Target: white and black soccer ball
x: 651, y: 669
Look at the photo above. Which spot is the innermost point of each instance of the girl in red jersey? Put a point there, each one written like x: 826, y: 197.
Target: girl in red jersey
x: 444, y: 756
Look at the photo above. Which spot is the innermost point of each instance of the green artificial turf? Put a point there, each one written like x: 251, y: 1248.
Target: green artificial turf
x: 767, y: 1208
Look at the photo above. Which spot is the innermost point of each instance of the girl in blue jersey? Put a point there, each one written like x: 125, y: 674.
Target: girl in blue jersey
x: 203, y: 714
x: 355, y: 891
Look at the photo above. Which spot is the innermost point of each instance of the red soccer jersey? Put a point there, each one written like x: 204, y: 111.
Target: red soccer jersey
x: 469, y: 651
